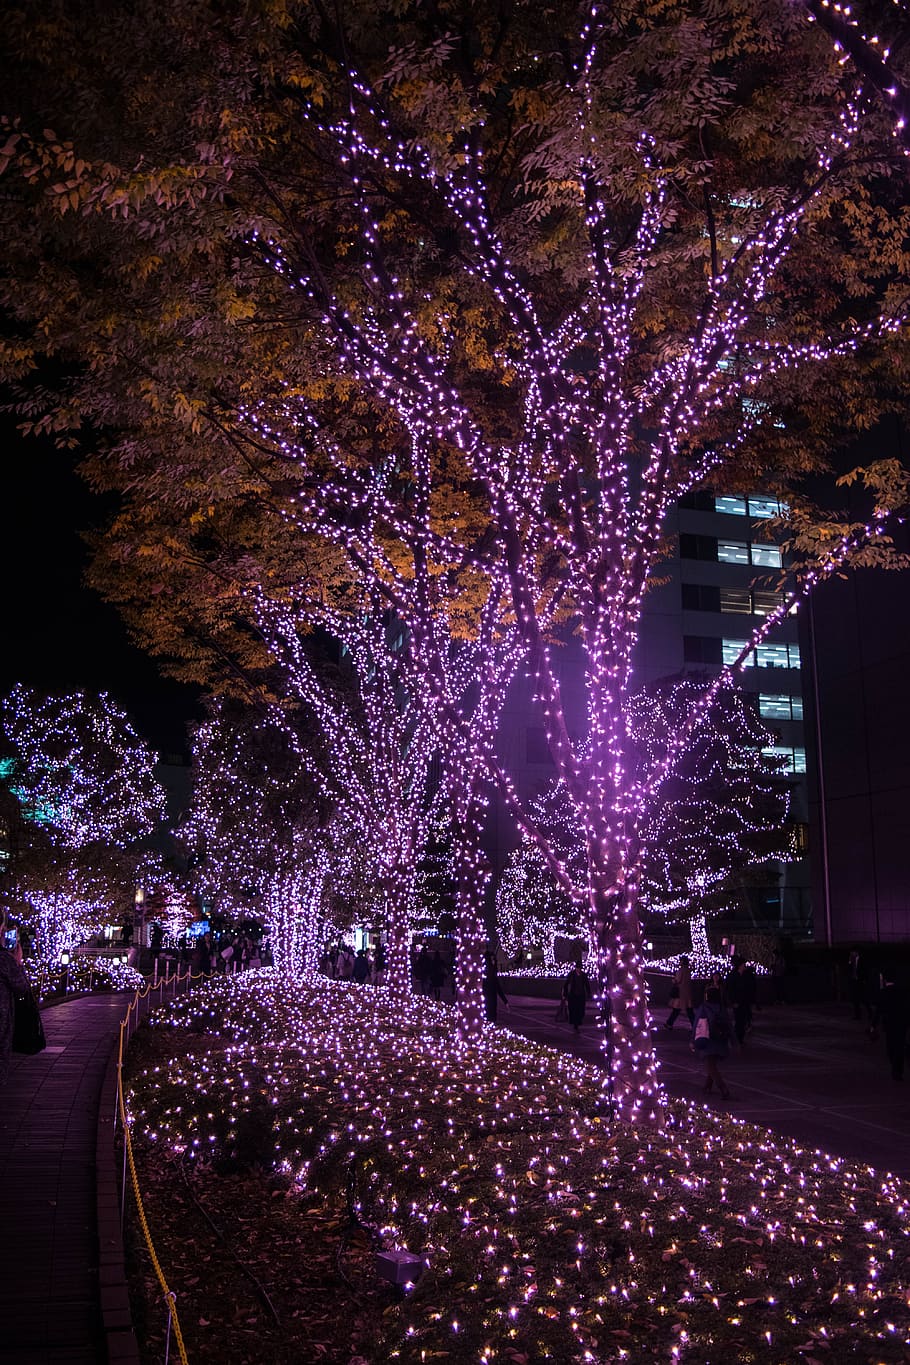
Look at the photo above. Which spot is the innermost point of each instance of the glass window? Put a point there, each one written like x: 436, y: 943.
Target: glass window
x: 700, y: 597
x: 774, y: 706
x: 734, y: 505
x: 733, y: 552
x: 732, y: 650
x: 773, y: 656
x: 765, y: 555
x: 794, y: 759
x: 765, y: 507
x: 701, y: 649
x: 735, y: 599
x: 697, y: 547
x: 797, y: 707
x: 763, y: 603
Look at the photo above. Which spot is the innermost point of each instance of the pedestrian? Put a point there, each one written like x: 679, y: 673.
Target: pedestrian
x: 492, y: 990
x: 681, y: 994
x: 379, y: 964
x: 711, y: 1038
x: 436, y: 977
x: 422, y: 970
x: 13, y: 982
x: 577, y: 988
x: 156, y: 941
x: 741, y: 994
x: 361, y: 967
x: 893, y: 1015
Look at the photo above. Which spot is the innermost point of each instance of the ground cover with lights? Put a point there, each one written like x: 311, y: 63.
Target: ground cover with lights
x: 286, y: 1130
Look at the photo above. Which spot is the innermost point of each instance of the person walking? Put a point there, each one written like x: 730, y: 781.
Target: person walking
x: 741, y: 994
x: 13, y: 982
x: 361, y: 967
x: 492, y: 991
x: 893, y: 1016
x: 577, y: 989
x: 422, y: 970
x: 681, y: 994
x: 711, y: 1038
x: 436, y: 977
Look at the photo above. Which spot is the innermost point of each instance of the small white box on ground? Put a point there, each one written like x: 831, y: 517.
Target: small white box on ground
x: 399, y: 1267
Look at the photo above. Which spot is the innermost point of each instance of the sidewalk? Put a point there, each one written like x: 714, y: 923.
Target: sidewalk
x: 809, y: 1072
x: 50, y: 1295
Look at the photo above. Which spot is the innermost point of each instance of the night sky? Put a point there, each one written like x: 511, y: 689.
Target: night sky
x: 57, y: 634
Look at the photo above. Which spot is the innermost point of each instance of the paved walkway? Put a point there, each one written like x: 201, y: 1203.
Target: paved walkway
x: 809, y: 1072
x: 50, y: 1299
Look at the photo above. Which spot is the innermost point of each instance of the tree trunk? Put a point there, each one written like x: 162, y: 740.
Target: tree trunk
x: 399, y: 905
x: 621, y: 1003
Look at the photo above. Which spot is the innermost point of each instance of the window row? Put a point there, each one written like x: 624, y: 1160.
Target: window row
x: 757, y: 553
x: 748, y: 601
x: 709, y: 649
x: 758, y: 507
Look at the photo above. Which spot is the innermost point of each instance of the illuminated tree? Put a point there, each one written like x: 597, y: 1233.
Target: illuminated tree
x: 87, y: 794
x: 603, y: 427
x: 80, y: 769
x: 257, y: 830
x: 721, y: 810
x: 380, y: 749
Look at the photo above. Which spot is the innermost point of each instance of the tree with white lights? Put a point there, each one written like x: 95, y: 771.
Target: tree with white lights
x: 722, y: 810
x: 87, y: 793
x: 258, y: 828
x: 380, y: 750
x: 674, y: 354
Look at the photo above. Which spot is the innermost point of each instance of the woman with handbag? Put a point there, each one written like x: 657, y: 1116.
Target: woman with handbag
x: 13, y: 983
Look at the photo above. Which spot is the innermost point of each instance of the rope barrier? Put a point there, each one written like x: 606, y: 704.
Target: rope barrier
x: 170, y: 1298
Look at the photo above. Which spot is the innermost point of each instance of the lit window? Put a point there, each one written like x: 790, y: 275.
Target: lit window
x: 733, y: 552
x: 768, y: 556
x: 777, y: 706
x: 735, y: 506
x: 772, y: 656
x: 763, y: 603
x: 735, y: 599
x: 732, y: 650
x: 766, y: 507
x: 794, y: 760
x: 774, y: 706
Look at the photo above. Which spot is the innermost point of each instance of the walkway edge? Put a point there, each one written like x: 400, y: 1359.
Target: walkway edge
x: 116, y: 1319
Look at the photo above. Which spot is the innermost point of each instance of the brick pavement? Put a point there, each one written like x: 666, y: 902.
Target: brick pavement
x: 51, y: 1267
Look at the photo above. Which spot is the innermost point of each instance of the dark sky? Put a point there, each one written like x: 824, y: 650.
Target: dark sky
x: 56, y: 633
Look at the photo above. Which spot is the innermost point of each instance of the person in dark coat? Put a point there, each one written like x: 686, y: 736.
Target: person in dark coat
x: 422, y: 970
x: 492, y: 991
x: 711, y: 1038
x: 361, y: 967
x: 437, y: 974
x: 741, y: 994
x: 13, y: 982
x: 893, y: 1016
x: 578, y: 989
